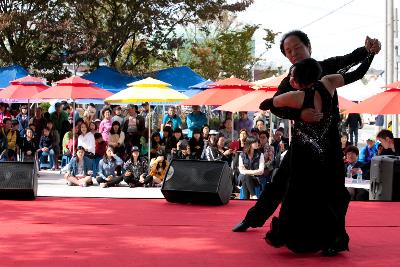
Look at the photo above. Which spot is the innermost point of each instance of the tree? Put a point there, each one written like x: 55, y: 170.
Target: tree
x: 224, y: 49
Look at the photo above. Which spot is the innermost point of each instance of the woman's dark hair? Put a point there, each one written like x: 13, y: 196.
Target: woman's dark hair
x: 385, y: 133
x: 112, y: 128
x: 104, y: 111
x: 161, y: 153
x: 299, y: 34
x: 178, y: 130
x: 345, y: 134
x: 95, y: 125
x: 168, y: 130
x: 77, y: 149
x: 87, y: 127
x: 306, y: 71
x: 264, y: 132
x: 249, y: 141
x: 152, y: 140
x: 105, y: 158
x: 213, y: 141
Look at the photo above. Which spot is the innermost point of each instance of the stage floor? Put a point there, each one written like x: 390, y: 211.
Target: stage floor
x: 152, y: 232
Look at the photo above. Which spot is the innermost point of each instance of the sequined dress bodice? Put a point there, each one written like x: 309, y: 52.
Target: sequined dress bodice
x: 315, y: 135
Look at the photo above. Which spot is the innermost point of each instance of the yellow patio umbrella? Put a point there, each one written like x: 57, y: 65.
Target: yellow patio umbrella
x: 147, y: 90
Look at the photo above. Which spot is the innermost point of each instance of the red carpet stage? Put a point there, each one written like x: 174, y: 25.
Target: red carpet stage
x: 94, y: 232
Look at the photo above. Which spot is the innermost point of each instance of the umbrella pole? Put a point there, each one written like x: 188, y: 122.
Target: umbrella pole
x: 290, y: 131
x: 270, y: 127
x: 73, y: 131
x: 149, y: 138
x: 395, y: 125
x: 28, y: 112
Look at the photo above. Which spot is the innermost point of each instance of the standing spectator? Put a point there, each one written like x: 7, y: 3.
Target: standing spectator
x: 391, y: 145
x: 133, y: 127
x: 150, y: 115
x: 105, y: 124
x: 11, y: 136
x: 277, y: 138
x: 196, y: 144
x: 58, y: 117
x: 379, y: 121
x: 39, y: 121
x: 244, y: 122
x: 195, y: 120
x: 117, y: 139
x: 87, y: 141
x: 22, y: 119
x: 118, y: 115
x: 28, y: 145
x: 80, y: 169
x: 173, y: 117
x: 109, y: 173
x: 354, y: 122
x: 251, y: 167
x: 135, y: 168
x: 228, y: 132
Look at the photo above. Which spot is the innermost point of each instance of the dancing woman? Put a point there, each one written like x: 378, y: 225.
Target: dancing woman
x: 313, y: 208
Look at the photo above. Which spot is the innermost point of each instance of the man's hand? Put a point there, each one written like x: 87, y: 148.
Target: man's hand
x: 311, y: 115
x: 128, y: 173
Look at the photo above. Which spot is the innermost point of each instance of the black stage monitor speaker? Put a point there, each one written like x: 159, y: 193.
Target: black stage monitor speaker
x: 385, y: 178
x: 18, y: 180
x: 197, y: 181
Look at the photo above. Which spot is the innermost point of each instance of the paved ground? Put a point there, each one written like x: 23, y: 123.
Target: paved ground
x: 52, y: 183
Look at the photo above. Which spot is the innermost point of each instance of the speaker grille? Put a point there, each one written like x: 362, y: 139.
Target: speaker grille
x: 200, y: 176
x: 17, y: 180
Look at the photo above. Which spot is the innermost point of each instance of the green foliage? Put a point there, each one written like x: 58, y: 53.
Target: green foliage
x: 45, y: 106
x: 133, y: 35
x: 224, y: 49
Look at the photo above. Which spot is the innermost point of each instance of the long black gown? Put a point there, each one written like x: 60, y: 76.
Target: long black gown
x: 313, y: 209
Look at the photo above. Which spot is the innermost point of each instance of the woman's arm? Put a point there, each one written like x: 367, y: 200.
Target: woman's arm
x: 291, y: 99
x: 121, y: 138
x: 260, y: 170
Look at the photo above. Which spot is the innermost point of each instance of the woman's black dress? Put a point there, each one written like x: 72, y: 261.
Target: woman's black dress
x: 313, y: 209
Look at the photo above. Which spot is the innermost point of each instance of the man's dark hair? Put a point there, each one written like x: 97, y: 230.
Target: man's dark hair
x: 385, y: 133
x: 97, y: 136
x: 260, y: 120
x: 264, y: 132
x: 306, y: 71
x: 299, y: 34
x: 353, y: 149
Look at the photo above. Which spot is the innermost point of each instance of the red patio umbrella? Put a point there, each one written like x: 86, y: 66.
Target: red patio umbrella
x: 221, y: 92
x: 383, y: 103
x: 73, y: 88
x: 344, y: 103
x: 22, y: 89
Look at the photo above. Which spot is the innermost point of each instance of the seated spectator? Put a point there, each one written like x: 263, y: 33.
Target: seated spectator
x: 80, y: 169
x: 228, y: 132
x: 4, y: 113
x: 38, y: 121
x: 368, y: 152
x: 353, y: 166
x: 100, y: 151
x: 93, y: 127
x: 171, y: 117
x: 260, y: 125
x: 117, y: 139
x: 55, y: 136
x: 344, y: 140
x: 135, y: 168
x: 205, y: 132
x: 166, y: 135
x: 156, y: 144
x: 28, y: 145
x: 390, y: 144
x: 255, y: 132
x: 87, y: 141
x: 268, y: 152
x: 3, y: 146
x: 173, y: 141
x: 69, y: 143
x: 217, y: 151
x: 46, y: 147
x: 12, y: 138
x: 251, y: 167
x: 196, y: 144
x: 109, y: 173
x: 158, y: 168
x: 182, y: 150
x: 144, y: 143
x: 277, y: 138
